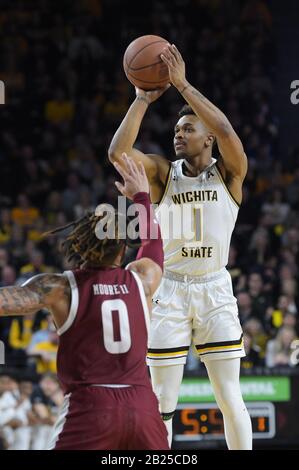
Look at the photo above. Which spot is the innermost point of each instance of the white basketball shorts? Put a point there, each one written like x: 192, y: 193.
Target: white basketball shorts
x: 203, y: 310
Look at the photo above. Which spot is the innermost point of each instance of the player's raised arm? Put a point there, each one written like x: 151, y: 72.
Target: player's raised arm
x: 126, y: 135
x: 150, y: 257
x: 234, y: 160
x: 49, y: 291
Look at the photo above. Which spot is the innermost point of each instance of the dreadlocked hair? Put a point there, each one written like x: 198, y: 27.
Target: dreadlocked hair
x: 82, y: 244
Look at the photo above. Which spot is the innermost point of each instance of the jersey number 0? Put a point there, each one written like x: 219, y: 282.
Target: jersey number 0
x: 112, y: 345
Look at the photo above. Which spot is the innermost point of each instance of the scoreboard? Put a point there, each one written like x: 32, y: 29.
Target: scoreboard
x: 272, y: 402
x: 204, y: 421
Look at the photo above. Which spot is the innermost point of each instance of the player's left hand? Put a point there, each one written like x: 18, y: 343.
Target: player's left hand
x: 176, y: 66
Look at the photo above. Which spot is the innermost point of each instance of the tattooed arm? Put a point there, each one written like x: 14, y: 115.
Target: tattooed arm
x: 49, y: 291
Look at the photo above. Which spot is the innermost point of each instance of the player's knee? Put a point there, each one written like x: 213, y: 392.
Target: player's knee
x: 168, y: 400
x: 166, y: 384
x: 230, y: 401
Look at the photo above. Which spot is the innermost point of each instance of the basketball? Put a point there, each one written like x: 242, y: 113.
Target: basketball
x: 143, y: 65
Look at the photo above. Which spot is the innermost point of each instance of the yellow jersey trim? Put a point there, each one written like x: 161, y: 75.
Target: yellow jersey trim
x: 177, y: 353
x: 217, y: 348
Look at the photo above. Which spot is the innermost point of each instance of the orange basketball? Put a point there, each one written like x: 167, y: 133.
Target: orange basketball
x: 143, y: 65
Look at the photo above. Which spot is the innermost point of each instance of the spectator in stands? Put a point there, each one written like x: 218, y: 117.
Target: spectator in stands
x: 34, y: 234
x: 42, y: 349
x: 291, y: 320
x: 36, y: 265
x: 16, y: 245
x: 24, y: 213
x: 253, y: 353
x: 276, y: 208
x: 14, y: 406
x: 260, y: 301
x: 59, y: 108
x: 254, y: 328
x: 246, y: 309
x: 53, y: 207
x: 279, y: 349
x: 46, y: 401
x: 8, y: 276
x: 71, y: 195
x: 259, y: 247
x: 84, y: 205
x: 20, y: 334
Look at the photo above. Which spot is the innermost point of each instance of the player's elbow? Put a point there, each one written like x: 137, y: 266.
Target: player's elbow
x: 113, y: 154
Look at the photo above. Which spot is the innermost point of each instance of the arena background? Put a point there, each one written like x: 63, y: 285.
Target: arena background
x: 66, y: 93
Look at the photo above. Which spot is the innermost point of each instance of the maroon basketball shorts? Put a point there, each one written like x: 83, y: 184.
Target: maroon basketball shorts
x: 106, y: 418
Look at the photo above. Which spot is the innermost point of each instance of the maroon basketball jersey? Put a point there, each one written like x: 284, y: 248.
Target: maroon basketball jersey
x: 104, y: 339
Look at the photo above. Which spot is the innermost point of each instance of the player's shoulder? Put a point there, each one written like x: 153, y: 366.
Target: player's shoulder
x: 162, y: 164
x: 45, y: 279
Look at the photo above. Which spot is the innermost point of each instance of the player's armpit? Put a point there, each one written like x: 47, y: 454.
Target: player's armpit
x: 153, y: 164
x: 149, y: 272
x: 41, y: 291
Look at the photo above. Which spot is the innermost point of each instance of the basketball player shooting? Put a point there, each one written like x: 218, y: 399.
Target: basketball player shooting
x: 194, y: 301
x: 101, y: 312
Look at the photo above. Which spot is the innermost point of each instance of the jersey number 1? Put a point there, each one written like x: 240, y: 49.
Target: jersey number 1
x: 197, y: 231
x: 111, y: 345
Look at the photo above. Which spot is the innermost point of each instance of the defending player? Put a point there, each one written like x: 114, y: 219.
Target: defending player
x: 102, y: 314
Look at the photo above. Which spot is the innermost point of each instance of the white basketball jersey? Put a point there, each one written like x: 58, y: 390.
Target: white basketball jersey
x: 197, y: 216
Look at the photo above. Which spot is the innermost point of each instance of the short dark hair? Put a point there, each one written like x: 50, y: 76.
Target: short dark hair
x: 185, y: 110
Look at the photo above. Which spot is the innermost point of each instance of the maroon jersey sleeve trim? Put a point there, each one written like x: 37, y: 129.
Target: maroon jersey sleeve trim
x: 74, y: 303
x: 143, y: 300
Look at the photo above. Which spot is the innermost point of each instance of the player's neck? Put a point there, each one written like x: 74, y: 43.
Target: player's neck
x: 194, y: 166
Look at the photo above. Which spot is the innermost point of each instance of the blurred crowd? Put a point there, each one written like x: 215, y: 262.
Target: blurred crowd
x: 27, y: 411
x: 66, y: 94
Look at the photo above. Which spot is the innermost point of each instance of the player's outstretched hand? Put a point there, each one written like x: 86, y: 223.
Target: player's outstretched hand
x: 134, y: 176
x: 176, y: 66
